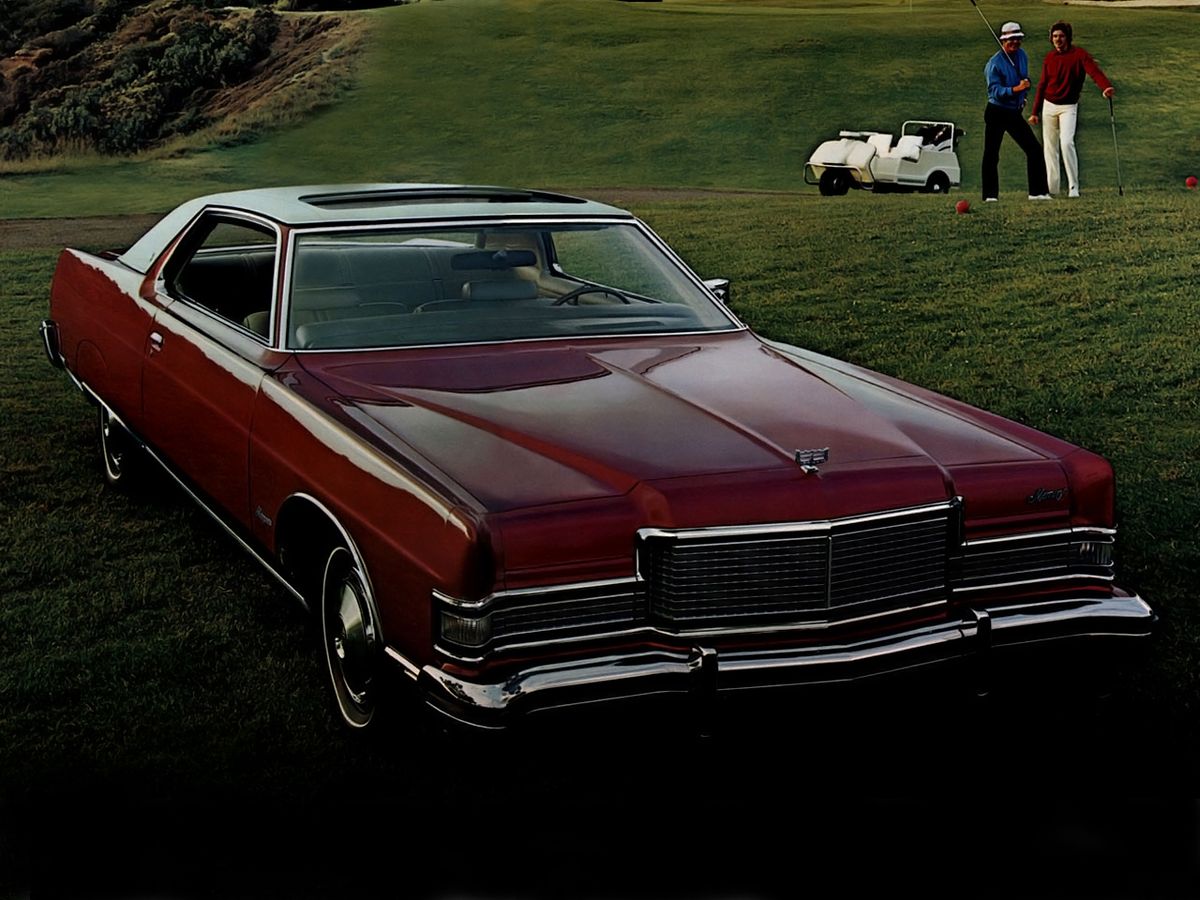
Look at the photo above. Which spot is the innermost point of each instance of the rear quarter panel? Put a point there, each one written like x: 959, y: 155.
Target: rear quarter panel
x: 104, y: 320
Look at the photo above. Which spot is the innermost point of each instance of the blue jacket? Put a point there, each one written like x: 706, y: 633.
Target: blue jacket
x: 1001, y: 77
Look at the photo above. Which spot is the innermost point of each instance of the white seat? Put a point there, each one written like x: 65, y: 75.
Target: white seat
x: 881, y: 142
x: 860, y: 156
x: 908, y: 147
x: 832, y: 153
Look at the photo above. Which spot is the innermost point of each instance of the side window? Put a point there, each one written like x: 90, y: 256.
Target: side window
x: 228, y: 267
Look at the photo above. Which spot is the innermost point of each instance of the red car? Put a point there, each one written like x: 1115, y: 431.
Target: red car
x: 506, y: 444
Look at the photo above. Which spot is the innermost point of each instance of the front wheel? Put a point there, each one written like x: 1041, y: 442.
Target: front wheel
x: 834, y: 182
x: 350, y: 638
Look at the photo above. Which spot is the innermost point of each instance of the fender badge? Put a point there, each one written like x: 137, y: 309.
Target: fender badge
x: 1041, y: 495
x: 809, y: 460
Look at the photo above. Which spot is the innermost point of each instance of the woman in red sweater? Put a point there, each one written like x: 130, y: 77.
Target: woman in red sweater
x: 1057, y: 103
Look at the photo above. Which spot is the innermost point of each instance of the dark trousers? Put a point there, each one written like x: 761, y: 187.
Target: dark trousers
x: 997, y: 122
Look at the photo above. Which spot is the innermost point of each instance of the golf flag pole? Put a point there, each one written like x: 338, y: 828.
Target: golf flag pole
x: 1113, y: 119
x: 994, y: 35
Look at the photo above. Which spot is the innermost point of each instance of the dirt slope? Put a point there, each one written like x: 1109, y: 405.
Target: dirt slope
x: 169, y: 70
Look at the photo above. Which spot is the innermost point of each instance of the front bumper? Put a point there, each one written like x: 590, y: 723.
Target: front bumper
x: 703, y: 676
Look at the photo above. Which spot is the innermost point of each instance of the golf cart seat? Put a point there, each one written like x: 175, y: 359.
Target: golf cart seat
x: 887, y: 147
x: 937, y: 136
x: 846, y: 152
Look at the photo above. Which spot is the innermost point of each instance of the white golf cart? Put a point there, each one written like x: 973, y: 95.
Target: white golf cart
x: 923, y: 157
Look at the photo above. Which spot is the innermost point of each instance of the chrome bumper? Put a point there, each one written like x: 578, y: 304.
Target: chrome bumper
x: 49, y: 332
x: 705, y: 675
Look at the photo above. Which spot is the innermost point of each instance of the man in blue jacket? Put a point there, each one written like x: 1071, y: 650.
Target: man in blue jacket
x: 1007, y: 75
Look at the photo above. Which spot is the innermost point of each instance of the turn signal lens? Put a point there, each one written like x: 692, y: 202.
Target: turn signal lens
x: 466, y: 631
x: 1096, y: 553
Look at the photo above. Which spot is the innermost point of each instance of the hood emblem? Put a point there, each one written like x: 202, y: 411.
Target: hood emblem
x: 809, y: 460
x: 1041, y: 495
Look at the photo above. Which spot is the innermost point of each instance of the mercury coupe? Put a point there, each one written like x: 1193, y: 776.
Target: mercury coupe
x: 506, y: 446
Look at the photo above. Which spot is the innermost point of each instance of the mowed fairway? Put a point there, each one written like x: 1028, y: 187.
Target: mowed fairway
x: 151, y: 676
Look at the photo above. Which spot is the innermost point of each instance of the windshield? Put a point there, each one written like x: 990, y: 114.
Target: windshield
x: 358, y: 289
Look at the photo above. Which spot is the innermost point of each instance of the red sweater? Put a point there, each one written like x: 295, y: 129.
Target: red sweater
x: 1062, y: 77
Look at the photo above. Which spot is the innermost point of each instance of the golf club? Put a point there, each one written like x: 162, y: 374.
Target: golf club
x: 994, y: 35
x: 1113, y: 119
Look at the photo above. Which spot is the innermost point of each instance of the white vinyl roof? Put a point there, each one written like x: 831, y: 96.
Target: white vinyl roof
x: 308, y: 205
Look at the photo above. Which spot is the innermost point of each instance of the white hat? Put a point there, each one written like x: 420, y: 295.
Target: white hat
x: 1010, y: 30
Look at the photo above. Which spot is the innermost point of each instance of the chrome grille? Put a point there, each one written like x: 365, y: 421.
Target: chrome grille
x: 889, y: 562
x: 711, y: 580
x: 801, y: 572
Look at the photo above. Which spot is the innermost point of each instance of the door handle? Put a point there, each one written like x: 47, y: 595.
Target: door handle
x: 156, y: 342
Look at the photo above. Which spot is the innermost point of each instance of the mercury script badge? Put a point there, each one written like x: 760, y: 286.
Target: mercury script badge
x: 809, y: 460
x: 1041, y: 495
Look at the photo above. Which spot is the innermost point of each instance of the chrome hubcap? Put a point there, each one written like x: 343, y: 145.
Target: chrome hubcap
x: 350, y: 637
x: 353, y: 640
x: 108, y: 437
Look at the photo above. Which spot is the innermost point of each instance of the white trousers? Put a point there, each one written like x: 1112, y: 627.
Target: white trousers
x: 1058, y: 134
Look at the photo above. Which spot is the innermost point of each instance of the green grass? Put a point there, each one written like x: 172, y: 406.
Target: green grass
x: 578, y: 93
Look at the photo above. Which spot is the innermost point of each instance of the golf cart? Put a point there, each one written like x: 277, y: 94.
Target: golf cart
x: 923, y: 157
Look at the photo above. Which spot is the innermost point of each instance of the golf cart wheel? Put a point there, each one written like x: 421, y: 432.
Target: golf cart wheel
x: 938, y: 183
x: 834, y: 183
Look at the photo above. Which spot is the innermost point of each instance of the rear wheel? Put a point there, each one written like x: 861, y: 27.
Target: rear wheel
x: 938, y: 183
x: 350, y: 638
x: 834, y: 182
x: 119, y: 452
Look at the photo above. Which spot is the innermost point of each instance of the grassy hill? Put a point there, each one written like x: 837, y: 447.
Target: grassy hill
x: 705, y: 93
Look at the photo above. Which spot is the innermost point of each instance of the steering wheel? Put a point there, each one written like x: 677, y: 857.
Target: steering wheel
x: 574, y: 295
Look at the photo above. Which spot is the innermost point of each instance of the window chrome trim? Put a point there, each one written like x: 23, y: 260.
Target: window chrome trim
x: 160, y: 281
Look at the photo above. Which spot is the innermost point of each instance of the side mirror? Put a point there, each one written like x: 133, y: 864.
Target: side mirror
x: 720, y: 287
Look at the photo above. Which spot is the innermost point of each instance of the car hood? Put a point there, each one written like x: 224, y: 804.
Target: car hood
x: 540, y: 424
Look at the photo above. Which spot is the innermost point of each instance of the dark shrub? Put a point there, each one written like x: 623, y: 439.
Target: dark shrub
x: 180, y: 53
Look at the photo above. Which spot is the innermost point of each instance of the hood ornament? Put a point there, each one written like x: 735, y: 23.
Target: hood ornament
x: 810, y: 460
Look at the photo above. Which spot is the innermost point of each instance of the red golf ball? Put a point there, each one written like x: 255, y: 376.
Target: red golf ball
x: 963, y: 206
x: 1191, y: 182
